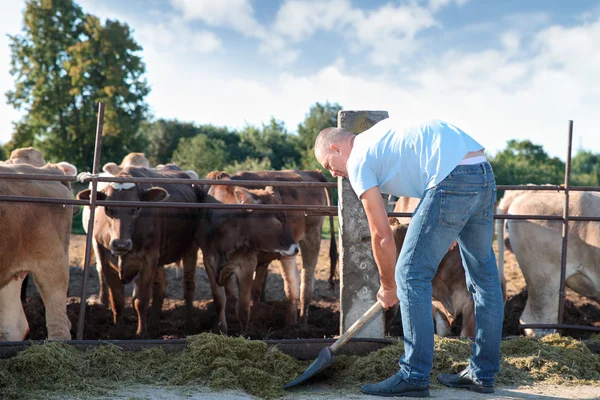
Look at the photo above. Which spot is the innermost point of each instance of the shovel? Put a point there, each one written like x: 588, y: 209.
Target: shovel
x: 327, y: 355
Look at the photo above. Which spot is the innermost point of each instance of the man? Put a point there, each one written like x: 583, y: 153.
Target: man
x: 444, y: 167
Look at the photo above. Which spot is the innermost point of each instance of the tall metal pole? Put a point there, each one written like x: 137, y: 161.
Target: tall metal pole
x: 90, y: 230
x: 565, y: 228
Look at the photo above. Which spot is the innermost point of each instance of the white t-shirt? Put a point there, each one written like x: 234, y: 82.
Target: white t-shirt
x: 406, y: 160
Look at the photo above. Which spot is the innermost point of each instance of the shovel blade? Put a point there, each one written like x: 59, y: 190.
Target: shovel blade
x: 323, y: 361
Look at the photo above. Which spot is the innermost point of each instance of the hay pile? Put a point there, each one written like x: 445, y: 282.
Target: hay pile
x: 234, y: 363
x: 552, y: 360
x: 210, y: 360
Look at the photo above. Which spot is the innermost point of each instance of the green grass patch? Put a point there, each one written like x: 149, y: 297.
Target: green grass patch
x: 77, y: 225
x: 326, y: 234
x: 220, y: 362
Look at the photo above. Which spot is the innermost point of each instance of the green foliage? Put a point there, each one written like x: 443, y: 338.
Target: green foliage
x: 2, y: 154
x: 585, y: 169
x: 163, y: 137
x: 64, y: 62
x: 249, y: 164
x: 201, y: 154
x: 524, y: 162
x: 273, y: 142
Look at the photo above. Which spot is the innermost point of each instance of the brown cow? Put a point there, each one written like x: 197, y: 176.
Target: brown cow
x: 448, y: 286
x: 231, y: 239
x: 112, y: 169
x: 132, y: 242
x: 35, y: 239
x: 307, y: 231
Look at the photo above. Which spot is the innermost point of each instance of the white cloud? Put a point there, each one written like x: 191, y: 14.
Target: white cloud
x: 173, y: 36
x: 435, y: 5
x: 236, y: 14
x: 278, y: 51
x: 512, y: 91
x: 300, y: 19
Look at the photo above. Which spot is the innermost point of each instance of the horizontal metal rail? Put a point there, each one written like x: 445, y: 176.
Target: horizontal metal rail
x: 169, y: 204
x: 561, y: 326
x: 183, y: 181
x: 309, y: 209
x: 248, y: 183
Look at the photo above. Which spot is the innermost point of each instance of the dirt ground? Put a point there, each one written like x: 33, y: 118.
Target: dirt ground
x: 309, y: 392
x: 267, y: 317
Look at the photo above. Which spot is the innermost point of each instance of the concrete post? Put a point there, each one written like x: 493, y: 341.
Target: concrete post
x: 359, y: 277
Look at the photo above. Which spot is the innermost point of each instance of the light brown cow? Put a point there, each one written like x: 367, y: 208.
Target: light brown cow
x: 35, y: 239
x: 306, y: 229
x: 449, y: 288
x: 537, y: 247
x: 231, y: 239
x: 132, y: 242
x: 30, y: 156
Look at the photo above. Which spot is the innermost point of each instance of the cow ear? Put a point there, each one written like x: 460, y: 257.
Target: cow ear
x: 85, y: 195
x: 154, y: 194
x: 244, y: 196
x: 274, y: 193
x: 67, y: 169
x: 111, y: 168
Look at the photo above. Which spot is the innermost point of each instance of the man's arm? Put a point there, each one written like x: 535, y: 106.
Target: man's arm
x: 384, y: 247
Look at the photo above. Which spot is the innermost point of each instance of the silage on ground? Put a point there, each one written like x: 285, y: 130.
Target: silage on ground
x: 217, y: 361
x: 222, y: 362
x: 551, y: 360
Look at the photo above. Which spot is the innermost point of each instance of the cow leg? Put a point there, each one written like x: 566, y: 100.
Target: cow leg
x: 442, y: 325
x: 289, y: 273
x: 116, y: 296
x: 218, y: 293
x: 245, y: 277
x: 309, y: 247
x: 468, y: 321
x: 542, y: 300
x: 260, y: 280
x: 189, y: 286
x: 159, y: 288
x: 103, y: 287
x: 13, y: 322
x: 142, y: 301
x: 52, y: 280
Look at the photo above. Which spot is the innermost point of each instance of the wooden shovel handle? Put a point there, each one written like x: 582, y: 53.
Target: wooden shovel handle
x: 375, y: 308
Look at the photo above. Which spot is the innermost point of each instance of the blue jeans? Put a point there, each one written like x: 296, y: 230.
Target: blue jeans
x: 460, y: 207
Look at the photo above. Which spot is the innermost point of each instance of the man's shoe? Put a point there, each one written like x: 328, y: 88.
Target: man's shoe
x: 464, y: 380
x: 395, y: 386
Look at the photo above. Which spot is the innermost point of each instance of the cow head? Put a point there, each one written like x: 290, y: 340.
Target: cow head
x: 121, y: 221
x: 269, y: 229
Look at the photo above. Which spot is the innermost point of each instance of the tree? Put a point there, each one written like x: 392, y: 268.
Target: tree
x: 201, y: 154
x: 64, y: 63
x: 319, y: 117
x: 523, y: 162
x: 585, y: 169
x: 273, y: 142
x: 163, y: 138
x: 249, y: 164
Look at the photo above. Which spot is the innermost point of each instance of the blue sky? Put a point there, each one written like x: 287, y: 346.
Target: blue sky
x: 497, y: 69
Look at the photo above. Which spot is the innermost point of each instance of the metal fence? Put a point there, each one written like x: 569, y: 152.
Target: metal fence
x: 93, y: 179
